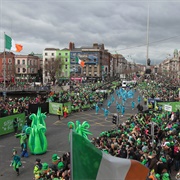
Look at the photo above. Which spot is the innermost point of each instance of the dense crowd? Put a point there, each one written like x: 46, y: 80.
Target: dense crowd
x: 131, y: 139
x: 81, y: 97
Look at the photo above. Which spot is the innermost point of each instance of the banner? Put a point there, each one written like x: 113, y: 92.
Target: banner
x: 53, y: 107
x: 6, y: 123
x: 175, y: 105
x: 68, y: 105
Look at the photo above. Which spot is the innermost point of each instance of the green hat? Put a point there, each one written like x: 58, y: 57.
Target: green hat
x: 165, y: 176
x: 60, y: 165
x: 106, y: 151
x: 55, y: 157
x: 163, y: 159
x: 175, y: 126
x: 45, y: 166
x: 158, y: 176
x: 170, y: 137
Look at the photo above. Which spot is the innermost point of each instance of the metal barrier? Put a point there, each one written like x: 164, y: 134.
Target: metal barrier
x: 9, y: 89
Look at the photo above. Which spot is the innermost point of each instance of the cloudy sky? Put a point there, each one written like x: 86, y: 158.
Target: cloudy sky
x: 120, y: 25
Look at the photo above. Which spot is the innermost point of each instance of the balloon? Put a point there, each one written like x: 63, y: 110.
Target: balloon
x: 82, y: 129
x: 37, y: 139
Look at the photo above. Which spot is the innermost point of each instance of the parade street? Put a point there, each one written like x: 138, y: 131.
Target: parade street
x: 57, y: 136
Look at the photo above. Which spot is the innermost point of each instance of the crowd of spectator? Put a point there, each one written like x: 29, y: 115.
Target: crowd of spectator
x: 132, y: 139
x: 81, y: 97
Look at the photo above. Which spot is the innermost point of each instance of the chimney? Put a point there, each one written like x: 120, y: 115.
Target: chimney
x: 71, y: 46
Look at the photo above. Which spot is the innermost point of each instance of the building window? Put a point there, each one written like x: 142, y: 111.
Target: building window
x: 66, y: 54
x: 46, y: 59
x: 45, y: 73
x: 52, y: 59
x: 59, y: 54
x: 65, y: 73
x: 18, y: 70
x: 66, y: 66
x: 66, y: 60
x: 46, y: 54
x: 52, y: 54
x: 18, y: 61
x: 9, y: 61
x: 23, y: 61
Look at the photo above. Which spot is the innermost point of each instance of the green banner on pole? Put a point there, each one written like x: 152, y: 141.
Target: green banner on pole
x: 53, y: 107
x: 68, y: 105
x: 6, y: 123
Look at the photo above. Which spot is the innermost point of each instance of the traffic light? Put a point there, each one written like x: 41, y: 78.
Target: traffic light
x: 114, y: 119
x: 148, y: 71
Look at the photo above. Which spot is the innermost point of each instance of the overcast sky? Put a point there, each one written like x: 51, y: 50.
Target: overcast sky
x: 120, y: 25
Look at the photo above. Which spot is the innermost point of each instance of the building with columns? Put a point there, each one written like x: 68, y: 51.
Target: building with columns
x: 170, y: 67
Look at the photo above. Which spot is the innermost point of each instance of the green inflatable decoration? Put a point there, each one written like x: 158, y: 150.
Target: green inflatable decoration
x: 37, y: 141
x: 81, y: 129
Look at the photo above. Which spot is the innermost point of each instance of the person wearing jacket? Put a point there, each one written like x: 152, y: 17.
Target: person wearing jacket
x: 37, y: 169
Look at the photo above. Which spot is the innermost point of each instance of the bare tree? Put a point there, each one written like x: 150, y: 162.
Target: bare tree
x: 54, y: 68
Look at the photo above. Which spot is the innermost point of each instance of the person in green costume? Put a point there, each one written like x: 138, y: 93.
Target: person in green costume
x: 16, y: 162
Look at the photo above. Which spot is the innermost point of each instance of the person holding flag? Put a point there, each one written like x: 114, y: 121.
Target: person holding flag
x: 100, y: 165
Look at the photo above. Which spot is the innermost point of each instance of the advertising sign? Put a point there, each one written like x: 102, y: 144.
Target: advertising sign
x: 174, y: 105
x: 53, y: 107
x: 6, y: 123
x: 168, y: 108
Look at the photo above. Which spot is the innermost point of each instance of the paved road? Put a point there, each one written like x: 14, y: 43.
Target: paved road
x: 57, y: 136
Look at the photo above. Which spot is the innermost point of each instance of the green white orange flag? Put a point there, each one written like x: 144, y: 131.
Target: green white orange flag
x: 90, y: 163
x: 11, y: 44
x: 79, y: 61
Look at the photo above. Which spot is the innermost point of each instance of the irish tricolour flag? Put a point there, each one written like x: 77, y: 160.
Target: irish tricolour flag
x: 11, y: 45
x: 90, y: 163
x: 79, y: 61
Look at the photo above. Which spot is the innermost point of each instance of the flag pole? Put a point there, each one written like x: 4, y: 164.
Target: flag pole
x: 71, y: 152
x: 4, y: 63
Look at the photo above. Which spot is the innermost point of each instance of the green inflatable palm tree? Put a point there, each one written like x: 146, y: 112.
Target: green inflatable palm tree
x: 37, y: 141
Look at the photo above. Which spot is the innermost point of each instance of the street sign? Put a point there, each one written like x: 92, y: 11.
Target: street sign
x: 168, y: 108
